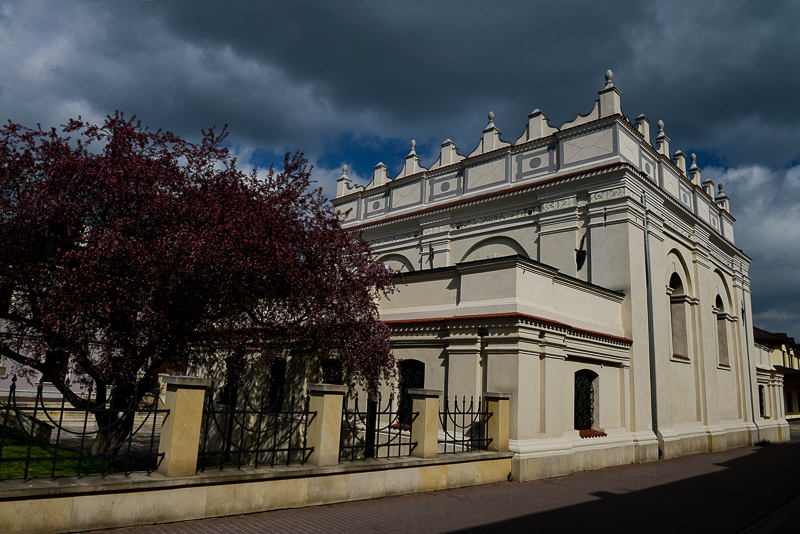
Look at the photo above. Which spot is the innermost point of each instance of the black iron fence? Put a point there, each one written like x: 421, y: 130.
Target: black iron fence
x: 252, y: 429
x: 464, y: 427
x: 381, y: 430
x: 52, y: 438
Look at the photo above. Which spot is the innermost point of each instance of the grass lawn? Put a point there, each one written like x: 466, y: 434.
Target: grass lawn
x: 16, y: 446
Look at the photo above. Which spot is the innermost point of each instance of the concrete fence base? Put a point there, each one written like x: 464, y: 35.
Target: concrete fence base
x: 176, y: 493
x: 45, y: 506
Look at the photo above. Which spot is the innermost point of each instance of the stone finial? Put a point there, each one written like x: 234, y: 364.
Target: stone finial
x: 694, y: 170
x: 609, y: 97
x: 643, y: 125
x: 412, y: 164
x: 662, y: 140
x: 491, y: 138
x: 609, y: 79
x: 343, y: 182
x: 679, y: 158
x: 722, y: 199
x: 694, y: 166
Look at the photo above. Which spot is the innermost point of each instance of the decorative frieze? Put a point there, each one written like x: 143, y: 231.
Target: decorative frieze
x: 558, y: 204
x: 608, y: 194
x: 393, y: 239
x: 541, y: 155
x: 436, y: 229
x: 599, y: 196
x: 499, y: 217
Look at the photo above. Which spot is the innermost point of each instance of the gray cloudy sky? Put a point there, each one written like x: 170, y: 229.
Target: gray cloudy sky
x: 352, y: 82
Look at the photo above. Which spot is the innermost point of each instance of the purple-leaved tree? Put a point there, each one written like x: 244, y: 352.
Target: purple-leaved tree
x: 123, y: 250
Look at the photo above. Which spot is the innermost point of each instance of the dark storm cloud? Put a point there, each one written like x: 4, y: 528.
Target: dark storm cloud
x: 354, y: 82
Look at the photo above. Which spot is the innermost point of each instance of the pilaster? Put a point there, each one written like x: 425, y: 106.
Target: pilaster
x: 464, y: 378
x: 552, y: 380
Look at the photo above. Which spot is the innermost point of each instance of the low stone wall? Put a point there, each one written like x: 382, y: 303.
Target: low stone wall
x: 45, y: 506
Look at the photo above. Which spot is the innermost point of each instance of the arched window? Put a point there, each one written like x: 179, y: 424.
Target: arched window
x: 332, y: 372
x: 678, y: 310
x: 722, y: 331
x: 277, y: 383
x: 586, y: 405
x: 412, y: 375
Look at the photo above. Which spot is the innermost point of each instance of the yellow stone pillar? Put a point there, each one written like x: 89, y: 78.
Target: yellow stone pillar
x: 425, y: 427
x: 325, y: 428
x: 497, y: 425
x: 180, y: 432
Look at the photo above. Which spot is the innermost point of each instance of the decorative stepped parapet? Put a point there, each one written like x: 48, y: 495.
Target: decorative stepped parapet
x: 412, y: 165
x: 491, y: 139
x: 538, y: 127
x: 604, y: 137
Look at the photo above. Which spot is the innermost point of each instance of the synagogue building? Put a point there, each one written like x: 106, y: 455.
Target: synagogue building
x: 588, y: 270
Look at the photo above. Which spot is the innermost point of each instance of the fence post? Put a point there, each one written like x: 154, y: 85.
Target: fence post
x: 180, y: 432
x: 497, y: 425
x: 425, y: 427
x: 325, y: 428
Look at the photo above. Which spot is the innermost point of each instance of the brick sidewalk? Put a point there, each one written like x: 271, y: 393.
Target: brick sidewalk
x: 730, y: 491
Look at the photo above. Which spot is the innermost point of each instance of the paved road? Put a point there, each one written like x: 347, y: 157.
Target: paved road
x: 751, y: 489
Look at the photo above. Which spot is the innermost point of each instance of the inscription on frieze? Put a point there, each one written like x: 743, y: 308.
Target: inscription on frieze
x: 515, y: 214
x: 436, y: 229
x: 393, y: 239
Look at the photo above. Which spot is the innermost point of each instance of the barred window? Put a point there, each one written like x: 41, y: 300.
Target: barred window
x: 585, y: 400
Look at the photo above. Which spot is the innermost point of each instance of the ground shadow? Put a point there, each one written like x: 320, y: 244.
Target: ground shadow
x: 746, y: 489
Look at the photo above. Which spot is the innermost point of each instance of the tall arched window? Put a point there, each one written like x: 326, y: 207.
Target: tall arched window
x: 722, y: 331
x: 678, y: 311
x: 586, y: 403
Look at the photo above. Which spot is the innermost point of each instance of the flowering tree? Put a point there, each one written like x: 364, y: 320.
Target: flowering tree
x: 123, y: 250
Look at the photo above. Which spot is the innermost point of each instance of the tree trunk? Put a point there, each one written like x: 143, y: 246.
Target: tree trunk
x: 113, y: 424
x: 113, y: 429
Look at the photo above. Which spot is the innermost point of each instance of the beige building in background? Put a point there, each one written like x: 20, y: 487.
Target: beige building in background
x: 524, y: 270
x: 784, y: 357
